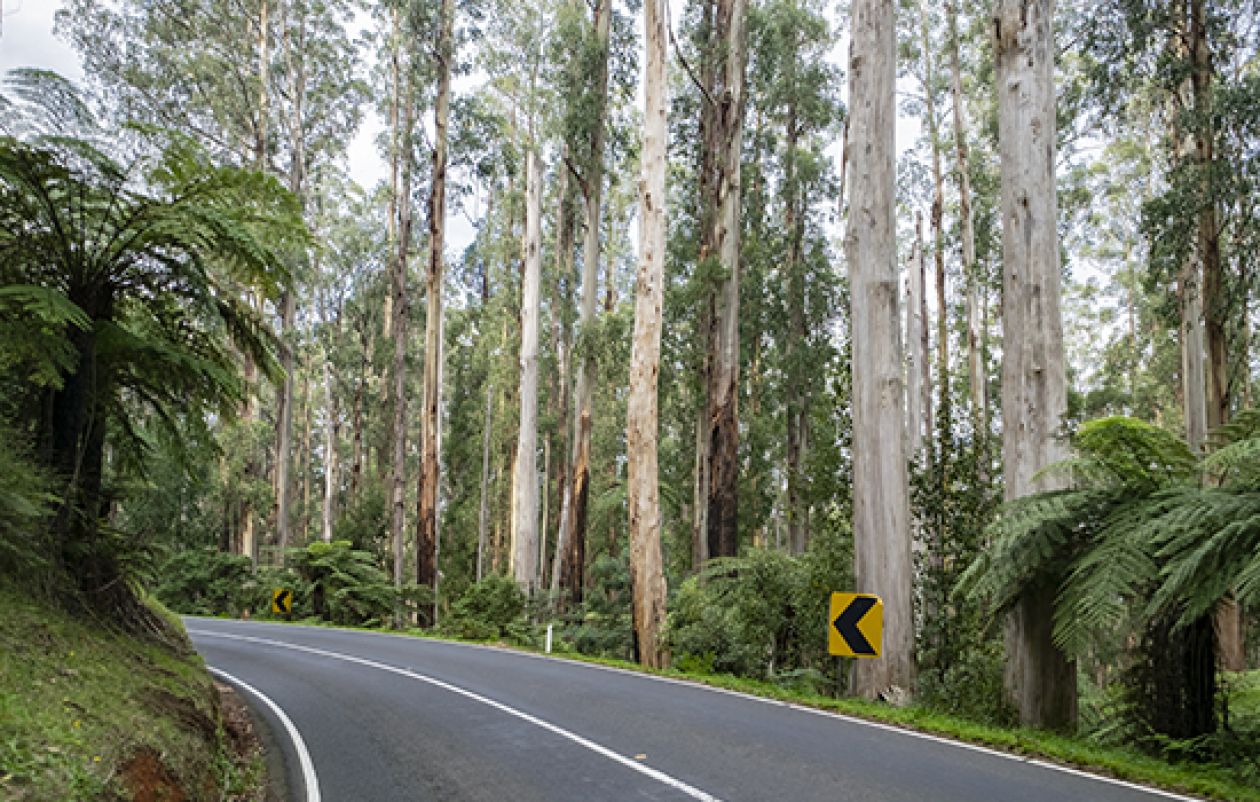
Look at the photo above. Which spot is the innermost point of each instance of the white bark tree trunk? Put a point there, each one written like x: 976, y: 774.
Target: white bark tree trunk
x: 330, y: 455
x: 431, y: 424
x: 916, y: 354
x: 647, y: 577
x: 1040, y: 680
x: 966, y: 221
x: 399, y: 308
x: 483, y: 517
x: 881, y: 509
x: 525, y: 501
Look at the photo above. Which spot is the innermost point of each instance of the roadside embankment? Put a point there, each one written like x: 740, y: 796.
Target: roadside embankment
x: 90, y: 713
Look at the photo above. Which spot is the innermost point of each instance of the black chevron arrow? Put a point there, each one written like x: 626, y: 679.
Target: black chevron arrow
x: 282, y: 600
x: 847, y: 625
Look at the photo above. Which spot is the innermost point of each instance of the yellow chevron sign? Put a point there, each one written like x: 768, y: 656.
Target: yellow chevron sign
x: 855, y: 625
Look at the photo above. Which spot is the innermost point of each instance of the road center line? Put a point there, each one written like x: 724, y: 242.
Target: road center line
x: 659, y: 776
x: 304, y: 756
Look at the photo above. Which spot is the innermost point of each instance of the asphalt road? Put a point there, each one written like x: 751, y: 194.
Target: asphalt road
x: 390, y: 718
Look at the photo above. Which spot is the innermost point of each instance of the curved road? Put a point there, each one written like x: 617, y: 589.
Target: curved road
x: 390, y: 718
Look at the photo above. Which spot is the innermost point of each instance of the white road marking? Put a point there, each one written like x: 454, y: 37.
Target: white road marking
x: 304, y: 756
x: 630, y: 763
x: 879, y: 725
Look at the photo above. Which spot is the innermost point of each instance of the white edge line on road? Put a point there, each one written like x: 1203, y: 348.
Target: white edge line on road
x: 304, y: 757
x: 879, y: 725
x: 659, y: 776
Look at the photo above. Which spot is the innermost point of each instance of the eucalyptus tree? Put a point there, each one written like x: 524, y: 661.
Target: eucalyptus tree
x: 976, y: 378
x: 515, y: 67
x: 430, y: 445
x: 1040, y: 679
x: 646, y: 569
x: 724, y: 98
x: 400, y: 22
x: 1185, y: 81
x: 585, y: 123
x: 883, y: 563
x: 793, y: 99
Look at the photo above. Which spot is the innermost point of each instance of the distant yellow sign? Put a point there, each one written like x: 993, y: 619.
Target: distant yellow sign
x: 282, y: 601
x: 856, y: 625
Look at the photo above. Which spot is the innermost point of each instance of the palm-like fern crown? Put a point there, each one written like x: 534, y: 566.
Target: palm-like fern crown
x: 163, y: 257
x: 1138, y: 529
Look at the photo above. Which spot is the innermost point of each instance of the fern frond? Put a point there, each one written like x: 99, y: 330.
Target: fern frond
x: 1033, y: 538
x: 1205, y: 544
x: 1104, y: 582
x: 1237, y: 462
x: 1135, y: 452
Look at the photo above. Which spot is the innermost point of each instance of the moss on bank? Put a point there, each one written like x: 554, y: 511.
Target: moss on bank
x: 88, y: 713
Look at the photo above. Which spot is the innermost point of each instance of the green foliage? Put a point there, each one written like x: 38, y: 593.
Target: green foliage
x: 347, y: 585
x: 25, y: 502
x: 762, y: 615
x: 487, y: 610
x: 1140, y: 550
x: 602, y: 625
x: 953, y: 500
x: 79, y: 701
x: 365, y: 522
x: 206, y: 582
x: 130, y: 260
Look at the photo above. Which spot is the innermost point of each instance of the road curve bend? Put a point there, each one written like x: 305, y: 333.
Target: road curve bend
x: 389, y: 718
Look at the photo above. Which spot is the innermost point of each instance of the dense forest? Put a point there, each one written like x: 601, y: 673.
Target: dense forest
x: 665, y: 322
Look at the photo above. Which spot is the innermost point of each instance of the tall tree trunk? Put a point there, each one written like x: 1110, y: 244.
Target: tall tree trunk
x: 966, y: 220
x: 1193, y: 380
x: 296, y: 68
x: 883, y: 562
x: 399, y: 308
x: 725, y: 141
x: 304, y: 459
x: 937, y: 214
x: 573, y: 536
x: 1228, y: 616
x: 525, y: 502
x: 647, y: 577
x: 561, y: 333
x: 706, y: 196
x: 1040, y: 679
x: 248, y: 536
x: 798, y: 401
x: 284, y: 421
x: 700, y: 485
x: 330, y: 455
x: 356, y: 425
x: 916, y: 352
x: 430, y: 456
x: 483, y: 516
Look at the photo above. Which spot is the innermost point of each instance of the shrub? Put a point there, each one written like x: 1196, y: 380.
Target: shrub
x: 206, y: 582
x: 487, y: 610
x: 762, y: 615
x: 346, y: 585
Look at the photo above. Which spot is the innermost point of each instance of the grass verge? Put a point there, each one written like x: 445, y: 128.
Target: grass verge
x: 87, y: 713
